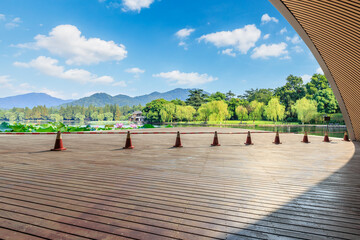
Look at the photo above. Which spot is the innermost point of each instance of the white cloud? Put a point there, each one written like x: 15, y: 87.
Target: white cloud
x: 120, y: 84
x: 184, y: 33
x: 272, y: 50
x: 5, y: 83
x: 190, y: 79
x: 266, y: 18
x: 13, y: 23
x: 66, y: 41
x: 319, y: 70
x: 50, y: 67
x: 283, y: 30
x: 136, y: 71
x: 136, y: 5
x: 241, y: 39
x: 2, y: 17
x: 306, y: 78
x: 266, y: 36
x: 295, y: 39
x: 298, y: 49
x: 229, y: 51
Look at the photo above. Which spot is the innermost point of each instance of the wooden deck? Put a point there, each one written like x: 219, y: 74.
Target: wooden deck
x: 96, y: 190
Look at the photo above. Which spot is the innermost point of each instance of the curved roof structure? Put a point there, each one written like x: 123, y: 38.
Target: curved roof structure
x: 331, y: 30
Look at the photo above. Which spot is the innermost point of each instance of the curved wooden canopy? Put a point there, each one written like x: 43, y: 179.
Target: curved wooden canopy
x: 331, y: 30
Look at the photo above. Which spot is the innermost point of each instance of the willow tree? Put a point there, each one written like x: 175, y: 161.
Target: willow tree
x: 305, y: 109
x: 241, y: 112
x: 213, y: 111
x: 274, y: 110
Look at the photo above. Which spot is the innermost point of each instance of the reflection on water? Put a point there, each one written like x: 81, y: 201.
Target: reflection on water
x: 334, y: 131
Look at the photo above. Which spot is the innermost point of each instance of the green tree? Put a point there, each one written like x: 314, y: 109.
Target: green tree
x: 80, y: 117
x: 274, y: 110
x: 326, y: 101
x: 56, y: 117
x: 230, y: 95
x: 213, y: 111
x: 109, y: 116
x: 318, y: 82
x: 255, y: 110
x: 261, y: 95
x: 305, y: 109
x: 241, y: 112
x: 117, y: 114
x: 293, y: 90
x: 167, y: 113
x: 218, y: 96
x: 100, y: 117
x: 196, y: 98
x: 152, y: 110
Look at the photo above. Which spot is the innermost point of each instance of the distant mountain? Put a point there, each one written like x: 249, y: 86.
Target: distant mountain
x: 31, y: 100
x: 100, y: 99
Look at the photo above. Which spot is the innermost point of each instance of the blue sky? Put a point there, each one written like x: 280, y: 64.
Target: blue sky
x: 73, y: 48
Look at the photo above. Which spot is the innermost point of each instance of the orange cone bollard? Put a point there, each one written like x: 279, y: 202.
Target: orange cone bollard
x: 277, y: 138
x: 216, y: 140
x: 178, y: 140
x: 58, y: 143
x: 305, y: 139
x: 248, y: 139
x: 346, y: 137
x: 326, y: 137
x: 128, y: 144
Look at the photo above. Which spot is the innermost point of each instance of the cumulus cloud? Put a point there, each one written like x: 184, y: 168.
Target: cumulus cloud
x: 295, y: 39
x: 266, y: 18
x: 242, y: 39
x: 184, y: 33
x: 298, y: 49
x: 50, y: 67
x: 319, y: 70
x: 229, y: 52
x: 272, y: 50
x: 266, y: 36
x: 190, y: 79
x: 136, y: 71
x: 135, y: 5
x: 283, y: 30
x: 66, y: 41
x: 13, y: 23
x: 306, y: 78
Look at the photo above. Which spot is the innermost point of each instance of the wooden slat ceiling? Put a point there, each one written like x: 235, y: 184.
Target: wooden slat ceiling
x: 334, y: 28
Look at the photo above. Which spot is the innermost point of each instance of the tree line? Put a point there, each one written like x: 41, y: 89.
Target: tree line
x: 69, y: 112
x: 293, y: 102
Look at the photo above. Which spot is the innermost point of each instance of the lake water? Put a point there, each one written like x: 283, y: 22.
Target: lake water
x: 334, y: 131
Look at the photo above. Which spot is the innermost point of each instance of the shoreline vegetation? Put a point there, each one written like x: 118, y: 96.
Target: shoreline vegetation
x: 295, y: 103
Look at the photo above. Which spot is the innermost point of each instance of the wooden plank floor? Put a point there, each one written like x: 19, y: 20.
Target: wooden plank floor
x: 96, y: 190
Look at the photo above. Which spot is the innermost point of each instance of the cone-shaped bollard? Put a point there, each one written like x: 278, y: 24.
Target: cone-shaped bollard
x: 128, y: 144
x: 58, y: 143
x: 178, y: 140
x: 305, y: 139
x: 326, y: 137
x: 346, y: 137
x: 277, y: 138
x: 248, y: 139
x: 216, y: 140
